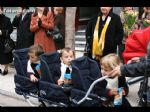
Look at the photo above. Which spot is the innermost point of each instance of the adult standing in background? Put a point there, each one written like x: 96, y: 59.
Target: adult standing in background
x: 6, y: 29
x: 41, y: 20
x: 103, y: 33
x: 60, y: 24
x: 25, y: 38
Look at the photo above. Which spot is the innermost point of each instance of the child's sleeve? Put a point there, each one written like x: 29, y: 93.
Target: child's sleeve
x: 123, y: 83
x: 29, y: 68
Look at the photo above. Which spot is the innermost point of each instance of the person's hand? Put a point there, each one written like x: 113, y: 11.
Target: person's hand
x: 33, y: 78
x: 135, y: 59
x: 115, y: 72
x: 60, y: 82
x: 113, y: 92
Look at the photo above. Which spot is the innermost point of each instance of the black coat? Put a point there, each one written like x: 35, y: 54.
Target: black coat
x: 134, y: 69
x: 114, y: 33
x: 60, y: 23
x: 5, y: 25
x: 25, y: 38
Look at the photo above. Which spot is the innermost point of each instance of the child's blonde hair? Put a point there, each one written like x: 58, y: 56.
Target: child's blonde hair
x: 110, y: 61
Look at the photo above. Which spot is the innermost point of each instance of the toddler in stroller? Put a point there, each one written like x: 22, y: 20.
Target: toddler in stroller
x: 21, y: 79
x: 66, y: 56
x: 108, y: 63
x: 33, y: 67
x: 84, y: 72
x: 27, y: 64
x: 56, y: 70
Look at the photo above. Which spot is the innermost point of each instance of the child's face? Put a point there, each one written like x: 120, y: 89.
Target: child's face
x: 67, y: 57
x: 105, y: 70
x: 33, y: 58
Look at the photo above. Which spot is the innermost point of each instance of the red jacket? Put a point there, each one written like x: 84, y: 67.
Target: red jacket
x: 136, y: 44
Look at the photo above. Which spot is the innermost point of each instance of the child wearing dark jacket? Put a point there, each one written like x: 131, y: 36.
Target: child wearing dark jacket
x: 33, y: 66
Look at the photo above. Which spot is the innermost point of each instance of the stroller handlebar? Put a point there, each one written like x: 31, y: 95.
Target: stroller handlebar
x: 90, y: 89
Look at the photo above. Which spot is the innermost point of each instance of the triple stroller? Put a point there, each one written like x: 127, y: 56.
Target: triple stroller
x: 86, y: 82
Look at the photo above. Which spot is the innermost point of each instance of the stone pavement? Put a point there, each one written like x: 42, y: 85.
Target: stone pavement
x: 7, y: 87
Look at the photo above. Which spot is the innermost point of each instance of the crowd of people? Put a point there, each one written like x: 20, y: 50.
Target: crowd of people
x: 31, y: 29
x: 104, y: 32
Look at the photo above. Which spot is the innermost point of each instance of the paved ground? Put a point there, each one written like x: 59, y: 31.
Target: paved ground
x: 7, y: 87
x: 133, y: 96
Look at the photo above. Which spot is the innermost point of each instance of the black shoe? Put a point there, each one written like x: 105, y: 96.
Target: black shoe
x: 5, y: 72
x: 0, y: 71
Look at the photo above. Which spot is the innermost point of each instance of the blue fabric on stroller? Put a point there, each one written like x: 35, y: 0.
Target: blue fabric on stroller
x: 21, y: 79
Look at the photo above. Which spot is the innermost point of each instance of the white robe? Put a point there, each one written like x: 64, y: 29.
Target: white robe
x: 112, y: 83
x: 63, y: 70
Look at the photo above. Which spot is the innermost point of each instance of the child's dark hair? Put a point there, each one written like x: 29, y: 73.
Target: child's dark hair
x: 67, y: 49
x: 37, y: 49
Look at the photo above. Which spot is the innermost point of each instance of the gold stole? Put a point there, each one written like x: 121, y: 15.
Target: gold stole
x: 98, y: 46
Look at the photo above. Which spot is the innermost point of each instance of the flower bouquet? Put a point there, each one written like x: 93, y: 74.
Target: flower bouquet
x: 130, y: 18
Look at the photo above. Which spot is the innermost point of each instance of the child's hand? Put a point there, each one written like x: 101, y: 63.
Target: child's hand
x: 113, y: 91
x: 33, y: 78
x: 60, y: 82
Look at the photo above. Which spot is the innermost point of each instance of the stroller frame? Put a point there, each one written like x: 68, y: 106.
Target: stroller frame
x: 54, y: 104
